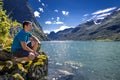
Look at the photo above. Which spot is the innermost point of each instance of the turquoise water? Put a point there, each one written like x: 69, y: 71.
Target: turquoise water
x: 87, y: 60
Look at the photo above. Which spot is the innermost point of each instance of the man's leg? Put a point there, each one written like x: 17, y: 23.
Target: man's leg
x: 34, y: 45
x: 22, y: 55
x: 26, y: 59
x: 31, y: 56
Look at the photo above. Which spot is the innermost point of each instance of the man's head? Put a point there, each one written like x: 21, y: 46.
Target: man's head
x: 27, y: 25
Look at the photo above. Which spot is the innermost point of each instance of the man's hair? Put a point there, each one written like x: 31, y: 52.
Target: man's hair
x: 25, y: 23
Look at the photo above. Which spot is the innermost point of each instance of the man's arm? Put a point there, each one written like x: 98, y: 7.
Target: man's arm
x: 25, y: 47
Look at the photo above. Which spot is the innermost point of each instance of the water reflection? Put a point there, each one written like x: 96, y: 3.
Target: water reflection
x: 86, y: 59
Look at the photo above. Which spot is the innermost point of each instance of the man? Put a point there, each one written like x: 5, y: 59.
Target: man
x: 20, y: 49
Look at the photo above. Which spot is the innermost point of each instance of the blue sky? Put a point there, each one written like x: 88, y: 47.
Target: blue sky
x: 55, y: 15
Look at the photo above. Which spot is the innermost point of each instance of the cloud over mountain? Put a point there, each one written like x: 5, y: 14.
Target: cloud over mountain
x: 101, y: 14
x: 104, y: 11
x: 59, y: 29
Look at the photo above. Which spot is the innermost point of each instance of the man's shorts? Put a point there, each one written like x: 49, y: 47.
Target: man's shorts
x: 22, y: 53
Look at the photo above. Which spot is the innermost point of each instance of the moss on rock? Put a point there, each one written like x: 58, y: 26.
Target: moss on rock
x: 32, y: 70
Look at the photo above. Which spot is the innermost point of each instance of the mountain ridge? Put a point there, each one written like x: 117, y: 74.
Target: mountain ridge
x: 109, y: 28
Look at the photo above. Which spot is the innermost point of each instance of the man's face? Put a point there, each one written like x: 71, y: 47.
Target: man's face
x: 29, y: 27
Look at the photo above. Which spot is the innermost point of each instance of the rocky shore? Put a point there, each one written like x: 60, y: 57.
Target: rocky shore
x: 32, y: 70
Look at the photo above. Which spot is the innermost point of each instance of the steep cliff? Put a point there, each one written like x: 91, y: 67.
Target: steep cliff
x: 20, y: 11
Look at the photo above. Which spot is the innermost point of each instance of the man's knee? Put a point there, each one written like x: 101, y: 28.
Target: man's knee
x: 36, y: 43
x: 31, y: 56
x: 33, y: 43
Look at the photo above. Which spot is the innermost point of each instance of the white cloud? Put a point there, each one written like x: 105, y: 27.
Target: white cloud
x: 100, y: 16
x: 103, y: 11
x: 58, y: 22
x: 65, y: 13
x: 58, y: 18
x: 39, y: 0
x: 85, y: 15
x: 47, y: 31
x: 118, y: 9
x: 52, y: 18
x: 104, y: 15
x: 43, y: 4
x: 54, y: 22
x: 48, y: 22
x: 36, y: 14
x: 56, y: 10
x: 41, y: 10
x: 93, y: 17
x: 61, y: 28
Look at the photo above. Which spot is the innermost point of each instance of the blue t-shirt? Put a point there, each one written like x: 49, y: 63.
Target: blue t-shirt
x: 20, y: 36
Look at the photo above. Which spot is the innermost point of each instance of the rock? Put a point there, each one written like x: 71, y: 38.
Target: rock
x: 32, y: 70
x: 60, y: 75
x: 65, y: 75
x: 4, y: 55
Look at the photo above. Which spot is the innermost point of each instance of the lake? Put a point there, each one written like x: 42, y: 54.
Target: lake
x: 87, y: 60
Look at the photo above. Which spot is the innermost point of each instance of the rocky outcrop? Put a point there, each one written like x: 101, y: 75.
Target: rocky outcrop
x: 32, y: 70
x: 20, y: 11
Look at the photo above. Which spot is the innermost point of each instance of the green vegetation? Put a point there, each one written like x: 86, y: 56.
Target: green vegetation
x: 103, y: 40
x: 5, y: 25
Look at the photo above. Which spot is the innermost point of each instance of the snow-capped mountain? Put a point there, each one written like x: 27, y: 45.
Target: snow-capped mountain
x: 99, y: 15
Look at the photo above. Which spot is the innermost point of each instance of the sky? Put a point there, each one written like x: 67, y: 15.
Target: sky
x: 56, y: 15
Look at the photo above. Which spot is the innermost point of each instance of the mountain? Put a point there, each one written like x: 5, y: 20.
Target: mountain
x: 20, y: 10
x: 108, y: 28
x: 70, y: 33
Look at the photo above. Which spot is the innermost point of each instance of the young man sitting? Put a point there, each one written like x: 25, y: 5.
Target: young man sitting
x: 20, y: 49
